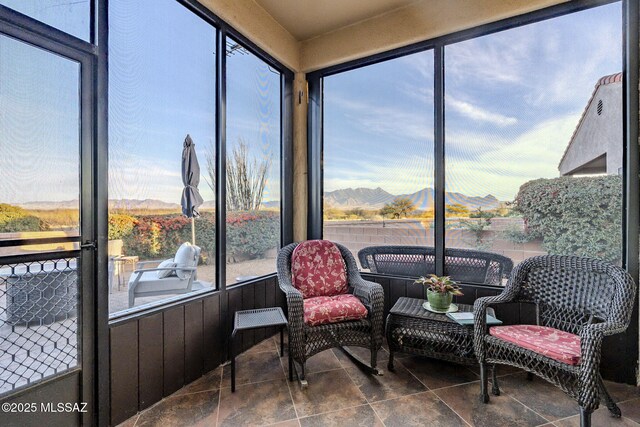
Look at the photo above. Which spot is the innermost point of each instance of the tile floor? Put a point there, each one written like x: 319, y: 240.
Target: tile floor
x: 422, y: 392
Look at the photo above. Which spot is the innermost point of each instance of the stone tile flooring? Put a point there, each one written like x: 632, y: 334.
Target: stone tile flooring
x: 422, y: 392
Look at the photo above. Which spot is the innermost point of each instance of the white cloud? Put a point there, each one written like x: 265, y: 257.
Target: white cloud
x: 502, y: 169
x: 390, y: 120
x: 478, y: 114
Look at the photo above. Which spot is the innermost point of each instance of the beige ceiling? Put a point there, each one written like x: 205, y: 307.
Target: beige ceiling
x: 305, y: 19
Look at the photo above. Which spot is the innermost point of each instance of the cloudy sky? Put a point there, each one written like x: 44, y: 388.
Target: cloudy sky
x: 162, y: 87
x: 512, y: 101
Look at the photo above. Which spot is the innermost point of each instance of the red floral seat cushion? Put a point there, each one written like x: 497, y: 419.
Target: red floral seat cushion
x: 553, y: 343
x: 338, y: 308
x: 318, y: 269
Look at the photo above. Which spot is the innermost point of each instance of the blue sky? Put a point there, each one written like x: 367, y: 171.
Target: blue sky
x: 512, y: 101
x: 162, y: 86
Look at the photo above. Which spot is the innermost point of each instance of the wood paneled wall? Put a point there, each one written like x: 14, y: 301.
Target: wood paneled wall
x: 155, y: 354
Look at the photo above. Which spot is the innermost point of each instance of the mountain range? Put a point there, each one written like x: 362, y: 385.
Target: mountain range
x: 375, y: 198
x: 347, y: 198
x: 125, y: 204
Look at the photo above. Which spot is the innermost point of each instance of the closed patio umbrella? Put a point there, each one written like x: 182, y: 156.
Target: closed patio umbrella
x: 191, y: 197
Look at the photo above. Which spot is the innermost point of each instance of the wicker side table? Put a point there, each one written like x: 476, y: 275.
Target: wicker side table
x: 413, y: 329
x: 254, y: 319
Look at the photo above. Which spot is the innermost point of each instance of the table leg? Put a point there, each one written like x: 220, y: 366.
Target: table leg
x: 281, y: 341
x: 233, y: 364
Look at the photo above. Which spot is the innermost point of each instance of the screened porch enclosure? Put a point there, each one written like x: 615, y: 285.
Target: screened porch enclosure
x: 157, y: 155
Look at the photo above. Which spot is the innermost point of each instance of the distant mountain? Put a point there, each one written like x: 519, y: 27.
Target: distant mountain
x: 369, y: 198
x: 126, y: 204
x: 146, y: 204
x: 50, y: 206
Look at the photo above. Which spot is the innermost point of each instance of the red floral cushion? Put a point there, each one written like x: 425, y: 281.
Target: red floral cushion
x: 339, y: 308
x: 550, y: 342
x: 318, y: 269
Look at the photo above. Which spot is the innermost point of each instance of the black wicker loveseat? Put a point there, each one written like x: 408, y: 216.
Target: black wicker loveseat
x: 463, y: 265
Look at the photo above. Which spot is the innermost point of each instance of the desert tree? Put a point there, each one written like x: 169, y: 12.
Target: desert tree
x: 246, y: 177
x: 401, y: 207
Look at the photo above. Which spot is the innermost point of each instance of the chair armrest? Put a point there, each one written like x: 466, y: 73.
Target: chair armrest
x: 146, y: 270
x: 370, y: 293
x: 295, y: 317
x: 372, y: 296
x: 480, y: 320
x: 591, y: 350
x: 140, y: 263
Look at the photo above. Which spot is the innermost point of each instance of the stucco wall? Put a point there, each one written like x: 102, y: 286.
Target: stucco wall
x: 598, y: 134
x: 419, y: 21
x: 256, y: 24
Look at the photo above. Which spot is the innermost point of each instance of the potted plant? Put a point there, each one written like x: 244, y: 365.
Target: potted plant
x: 440, y: 291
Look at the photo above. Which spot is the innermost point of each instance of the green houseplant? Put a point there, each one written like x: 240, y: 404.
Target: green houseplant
x: 440, y: 291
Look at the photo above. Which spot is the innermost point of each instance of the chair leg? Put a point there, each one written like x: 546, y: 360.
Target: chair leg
x: 495, y: 389
x: 374, y: 359
x: 484, y: 395
x: 390, y: 366
x: 614, y: 410
x: 303, y: 380
x: 585, y: 417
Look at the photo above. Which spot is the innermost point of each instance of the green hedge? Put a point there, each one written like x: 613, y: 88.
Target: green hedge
x: 15, y: 219
x: 574, y: 216
x: 249, y: 234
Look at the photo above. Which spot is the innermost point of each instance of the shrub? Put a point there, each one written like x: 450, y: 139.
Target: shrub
x: 252, y: 233
x: 574, y: 216
x: 249, y: 234
x: 15, y: 219
x: 477, y: 226
x: 516, y: 234
x: 120, y: 225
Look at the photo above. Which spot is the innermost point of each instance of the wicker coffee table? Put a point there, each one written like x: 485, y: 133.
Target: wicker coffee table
x: 413, y: 329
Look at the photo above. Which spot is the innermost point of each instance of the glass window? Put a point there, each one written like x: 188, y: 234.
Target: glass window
x: 378, y: 155
x: 162, y: 74
x: 253, y: 165
x: 70, y: 16
x: 39, y: 198
x: 534, y: 140
x: 40, y: 146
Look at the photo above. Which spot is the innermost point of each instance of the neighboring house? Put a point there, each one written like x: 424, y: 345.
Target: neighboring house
x: 596, y: 144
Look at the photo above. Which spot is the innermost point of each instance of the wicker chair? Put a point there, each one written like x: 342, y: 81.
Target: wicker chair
x: 581, y: 296
x: 306, y: 340
x: 464, y: 265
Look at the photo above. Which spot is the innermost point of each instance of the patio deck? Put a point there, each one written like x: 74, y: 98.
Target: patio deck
x: 421, y: 392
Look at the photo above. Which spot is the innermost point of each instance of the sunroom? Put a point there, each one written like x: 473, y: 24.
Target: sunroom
x: 168, y: 166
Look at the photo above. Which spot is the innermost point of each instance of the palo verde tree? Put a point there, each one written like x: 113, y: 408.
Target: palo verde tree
x: 246, y: 177
x: 401, y: 207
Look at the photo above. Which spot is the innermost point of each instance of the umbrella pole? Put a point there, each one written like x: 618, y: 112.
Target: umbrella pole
x: 193, y: 231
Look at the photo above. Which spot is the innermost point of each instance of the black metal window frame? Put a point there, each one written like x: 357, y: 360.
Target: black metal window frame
x: 631, y: 200
x: 225, y: 31
x: 95, y: 317
x: 87, y: 54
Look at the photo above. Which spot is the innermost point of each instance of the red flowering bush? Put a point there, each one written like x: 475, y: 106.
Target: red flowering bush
x: 249, y: 234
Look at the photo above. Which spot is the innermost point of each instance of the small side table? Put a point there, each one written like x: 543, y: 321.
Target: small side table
x: 255, y: 319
